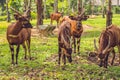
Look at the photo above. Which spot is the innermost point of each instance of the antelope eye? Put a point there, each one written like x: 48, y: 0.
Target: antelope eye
x: 25, y: 22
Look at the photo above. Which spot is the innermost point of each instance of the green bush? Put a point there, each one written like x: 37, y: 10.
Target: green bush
x: 33, y: 15
x: 3, y: 18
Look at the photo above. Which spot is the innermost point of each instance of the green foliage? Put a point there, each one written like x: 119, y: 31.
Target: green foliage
x: 3, y: 18
x: 33, y: 15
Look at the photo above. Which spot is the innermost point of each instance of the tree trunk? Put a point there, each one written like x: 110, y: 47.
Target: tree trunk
x: 55, y: 5
x: 117, y: 2
x: 8, y: 13
x: 103, y: 8
x: 39, y: 12
x: 69, y: 7
x: 109, y: 14
x: 44, y: 10
x: 117, y: 7
x: 79, y: 6
x: 2, y: 8
x: 92, y: 8
x: 62, y: 7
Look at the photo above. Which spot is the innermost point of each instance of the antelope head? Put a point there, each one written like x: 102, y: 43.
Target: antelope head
x: 104, y: 46
x: 78, y: 19
x: 22, y: 18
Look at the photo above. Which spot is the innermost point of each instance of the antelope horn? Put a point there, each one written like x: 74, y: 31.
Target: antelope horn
x: 28, y: 8
x: 25, y: 14
x: 83, y: 11
x: 95, y: 46
x: 107, y: 48
x: 15, y: 11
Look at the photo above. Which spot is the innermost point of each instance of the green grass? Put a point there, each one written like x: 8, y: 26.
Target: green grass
x: 42, y: 66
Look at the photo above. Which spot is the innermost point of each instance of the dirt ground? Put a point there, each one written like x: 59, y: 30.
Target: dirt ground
x: 36, y: 32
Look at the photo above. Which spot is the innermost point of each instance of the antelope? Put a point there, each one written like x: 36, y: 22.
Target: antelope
x: 19, y: 33
x: 108, y: 39
x: 64, y: 42
x: 55, y: 16
x: 76, y: 28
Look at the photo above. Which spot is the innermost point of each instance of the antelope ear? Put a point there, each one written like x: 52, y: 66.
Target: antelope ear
x: 85, y: 17
x: 72, y: 17
x: 16, y: 16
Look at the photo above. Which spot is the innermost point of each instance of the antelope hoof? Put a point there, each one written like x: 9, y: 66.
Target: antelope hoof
x: 100, y: 65
x: 105, y: 66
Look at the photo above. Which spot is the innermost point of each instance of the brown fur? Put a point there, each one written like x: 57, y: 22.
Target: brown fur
x: 64, y: 36
x: 56, y: 17
x: 18, y: 33
x: 76, y: 29
x: 114, y: 33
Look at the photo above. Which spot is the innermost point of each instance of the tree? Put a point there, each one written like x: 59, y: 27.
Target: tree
x: 117, y: 2
x: 79, y: 6
x: 39, y: 12
x: 7, y: 11
x: 90, y: 7
x: 69, y: 2
x: 44, y: 10
x: 117, y: 7
x: 2, y: 2
x: 103, y: 8
x: 55, y: 5
x: 109, y: 14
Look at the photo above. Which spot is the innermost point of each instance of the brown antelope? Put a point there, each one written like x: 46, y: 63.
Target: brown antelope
x: 64, y: 46
x: 19, y: 33
x: 76, y: 28
x: 55, y: 16
x: 108, y: 39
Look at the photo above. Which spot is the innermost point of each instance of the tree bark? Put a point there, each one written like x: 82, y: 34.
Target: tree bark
x: 79, y: 6
x: 109, y: 14
x: 44, y: 10
x: 55, y: 6
x: 69, y: 3
x: 117, y: 7
x: 117, y: 2
x: 39, y: 12
x: 92, y: 8
x: 103, y: 8
x: 8, y: 13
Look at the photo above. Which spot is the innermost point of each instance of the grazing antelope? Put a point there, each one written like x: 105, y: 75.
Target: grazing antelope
x: 64, y: 42
x: 108, y: 39
x: 19, y: 33
x: 55, y: 16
